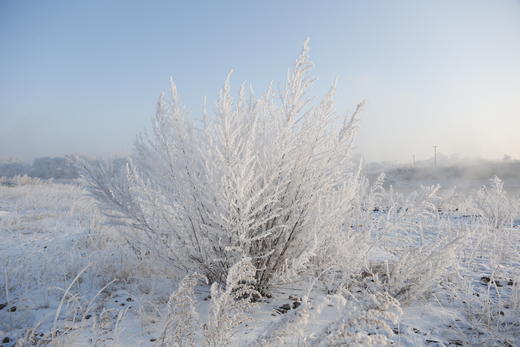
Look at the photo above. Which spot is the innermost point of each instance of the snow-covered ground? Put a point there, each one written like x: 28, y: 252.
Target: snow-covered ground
x: 68, y: 279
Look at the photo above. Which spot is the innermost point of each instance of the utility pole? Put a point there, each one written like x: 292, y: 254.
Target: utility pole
x: 435, y: 156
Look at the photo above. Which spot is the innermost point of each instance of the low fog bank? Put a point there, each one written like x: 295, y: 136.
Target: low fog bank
x: 464, y: 176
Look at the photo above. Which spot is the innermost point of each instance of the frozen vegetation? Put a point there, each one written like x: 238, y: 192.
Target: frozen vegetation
x: 253, y: 226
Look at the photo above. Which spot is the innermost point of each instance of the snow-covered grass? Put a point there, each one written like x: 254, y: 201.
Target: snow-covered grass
x: 62, y: 269
x: 450, y: 276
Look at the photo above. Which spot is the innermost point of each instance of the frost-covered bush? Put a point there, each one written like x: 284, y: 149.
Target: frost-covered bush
x: 487, y: 283
x: 182, y: 321
x: 229, y: 305
x: 418, y: 269
x: 494, y: 206
x: 345, y: 254
x: 228, y: 309
x: 407, y: 247
x: 266, y: 178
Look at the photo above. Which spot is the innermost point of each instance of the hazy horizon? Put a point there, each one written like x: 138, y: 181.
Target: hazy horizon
x: 84, y: 77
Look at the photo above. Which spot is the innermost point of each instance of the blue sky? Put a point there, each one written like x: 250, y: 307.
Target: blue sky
x: 84, y: 76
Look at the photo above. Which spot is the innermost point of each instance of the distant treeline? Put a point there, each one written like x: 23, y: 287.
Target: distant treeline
x: 48, y: 167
